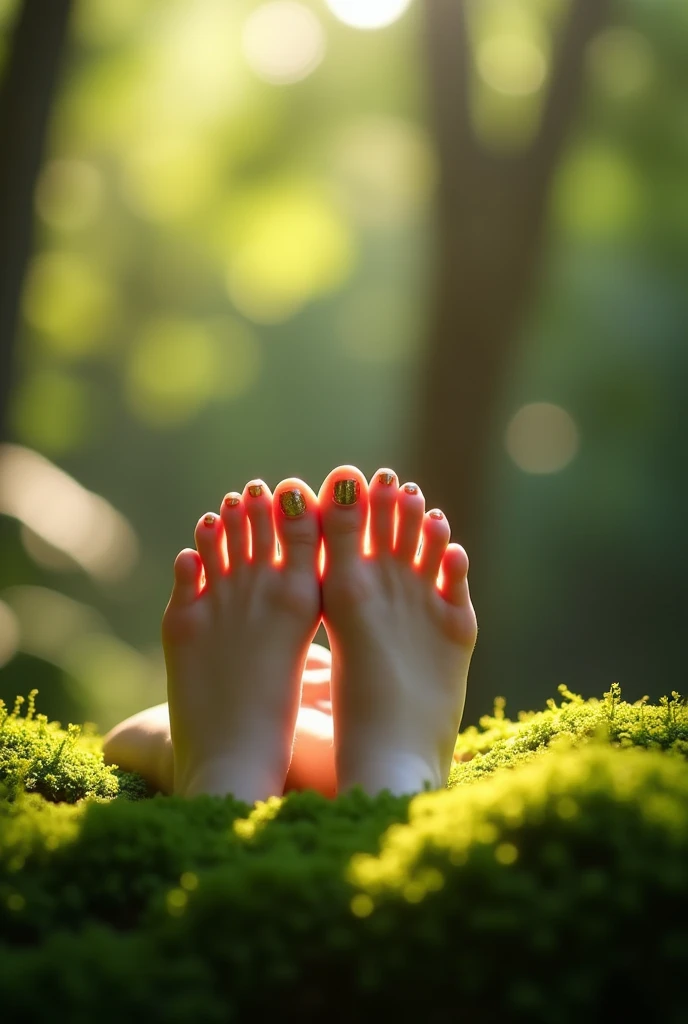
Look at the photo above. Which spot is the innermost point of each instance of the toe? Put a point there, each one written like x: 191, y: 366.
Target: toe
x: 258, y: 502
x: 436, y: 535
x: 410, y: 511
x: 454, y: 578
x: 212, y: 547
x: 235, y: 521
x: 343, y: 502
x: 383, y: 500
x: 188, y: 573
x: 295, y: 512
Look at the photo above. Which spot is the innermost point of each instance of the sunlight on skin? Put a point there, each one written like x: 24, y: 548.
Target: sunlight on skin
x: 75, y: 521
x: 368, y: 14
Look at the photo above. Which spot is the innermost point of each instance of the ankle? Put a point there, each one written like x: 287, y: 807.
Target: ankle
x: 243, y: 777
x: 399, y: 771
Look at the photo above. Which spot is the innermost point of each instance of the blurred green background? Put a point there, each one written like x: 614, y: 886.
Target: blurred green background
x: 270, y: 237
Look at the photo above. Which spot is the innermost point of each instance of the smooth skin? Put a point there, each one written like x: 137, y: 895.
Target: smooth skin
x: 249, y: 701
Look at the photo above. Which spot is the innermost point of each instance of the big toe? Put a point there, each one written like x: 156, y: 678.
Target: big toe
x: 343, y: 502
x: 297, y: 521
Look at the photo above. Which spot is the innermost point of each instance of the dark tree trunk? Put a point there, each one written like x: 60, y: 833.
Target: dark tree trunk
x: 490, y: 231
x: 25, y: 102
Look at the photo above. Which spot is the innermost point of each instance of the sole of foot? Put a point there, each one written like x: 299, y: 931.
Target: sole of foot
x: 244, y: 607
x: 402, y: 629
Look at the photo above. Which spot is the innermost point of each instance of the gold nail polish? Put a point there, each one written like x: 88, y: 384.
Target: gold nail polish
x: 346, y: 492
x: 209, y: 520
x: 436, y: 514
x: 411, y: 488
x: 385, y: 478
x: 292, y: 503
x: 232, y: 499
x: 255, y: 490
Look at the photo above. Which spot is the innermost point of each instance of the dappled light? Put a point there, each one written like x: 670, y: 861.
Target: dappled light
x: 542, y: 438
x: 368, y: 14
x: 511, y: 64
x: 283, y: 42
x: 64, y: 514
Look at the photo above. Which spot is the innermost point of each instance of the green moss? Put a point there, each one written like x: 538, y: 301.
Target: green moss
x: 555, y: 889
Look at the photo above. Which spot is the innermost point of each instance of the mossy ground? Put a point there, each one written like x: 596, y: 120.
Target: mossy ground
x: 549, y: 881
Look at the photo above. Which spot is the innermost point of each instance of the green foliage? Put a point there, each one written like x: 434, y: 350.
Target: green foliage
x: 502, y: 743
x: 556, y: 888
x: 63, y: 765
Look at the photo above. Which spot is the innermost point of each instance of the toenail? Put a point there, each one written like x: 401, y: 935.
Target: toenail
x: 232, y: 499
x: 209, y: 520
x: 292, y: 503
x: 436, y: 514
x: 346, y: 492
x: 385, y: 478
x: 411, y: 488
x: 255, y: 490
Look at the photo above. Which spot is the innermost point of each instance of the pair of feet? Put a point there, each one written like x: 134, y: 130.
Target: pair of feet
x: 392, y: 592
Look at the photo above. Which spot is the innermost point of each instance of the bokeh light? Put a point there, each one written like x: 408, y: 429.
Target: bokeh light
x: 283, y: 42
x: 290, y: 244
x: 621, y: 62
x: 69, y: 301
x: 368, y: 14
x: 68, y: 194
x: 542, y: 438
x: 511, y: 64
x: 596, y: 193
x: 53, y: 410
x: 385, y: 169
x: 9, y: 634
x: 65, y: 515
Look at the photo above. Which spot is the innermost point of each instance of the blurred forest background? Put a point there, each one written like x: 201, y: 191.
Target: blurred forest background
x: 263, y: 238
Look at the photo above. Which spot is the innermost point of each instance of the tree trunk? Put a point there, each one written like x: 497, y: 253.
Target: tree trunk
x: 25, y: 102
x: 490, y: 232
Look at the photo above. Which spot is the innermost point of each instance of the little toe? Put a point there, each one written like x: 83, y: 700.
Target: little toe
x: 343, y: 502
x: 212, y: 547
x: 237, y: 530
x: 383, y: 500
x: 436, y: 535
x: 188, y: 574
x: 454, y: 575
x: 410, y: 512
x: 258, y: 502
x: 295, y: 511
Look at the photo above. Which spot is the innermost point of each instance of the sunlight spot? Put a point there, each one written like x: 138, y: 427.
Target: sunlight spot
x: 189, y: 881
x: 542, y: 438
x: 362, y: 905
x: 53, y: 411
x: 166, y: 179
x: 68, y: 194
x: 506, y: 853
x: 621, y: 62
x: 65, y: 515
x: 596, y: 193
x: 9, y: 634
x: 511, y: 64
x: 69, y: 301
x: 283, y: 42
x: 385, y: 169
x: 172, y: 371
x: 368, y: 13
x: 290, y: 244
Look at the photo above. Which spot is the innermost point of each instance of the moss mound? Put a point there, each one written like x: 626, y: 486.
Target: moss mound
x: 551, y: 880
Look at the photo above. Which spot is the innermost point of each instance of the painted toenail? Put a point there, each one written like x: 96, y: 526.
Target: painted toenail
x: 436, y: 514
x: 292, y: 503
x: 346, y: 492
x: 255, y: 490
x: 232, y: 499
x: 411, y: 488
x: 209, y: 520
x: 385, y: 478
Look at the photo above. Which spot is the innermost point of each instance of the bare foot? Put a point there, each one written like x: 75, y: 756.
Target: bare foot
x: 401, y: 639
x: 235, y: 633
x: 142, y: 743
